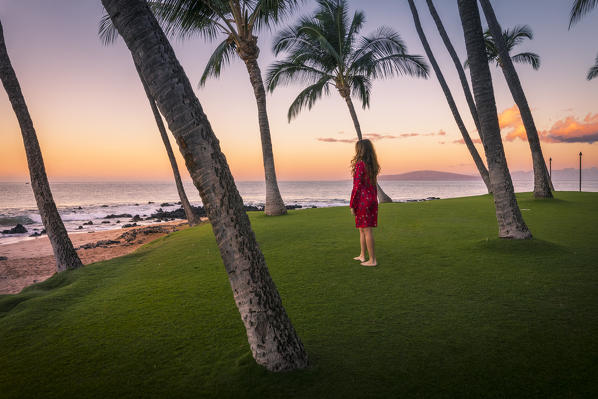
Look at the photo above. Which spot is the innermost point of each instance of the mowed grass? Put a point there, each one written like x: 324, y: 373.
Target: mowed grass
x: 451, y: 311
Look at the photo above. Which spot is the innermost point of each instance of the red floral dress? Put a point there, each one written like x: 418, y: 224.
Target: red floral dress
x: 364, y: 198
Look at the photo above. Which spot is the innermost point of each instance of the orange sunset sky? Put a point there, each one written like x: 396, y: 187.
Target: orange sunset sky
x: 93, y: 120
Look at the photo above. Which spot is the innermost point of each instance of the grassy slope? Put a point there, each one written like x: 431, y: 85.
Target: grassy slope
x: 450, y: 311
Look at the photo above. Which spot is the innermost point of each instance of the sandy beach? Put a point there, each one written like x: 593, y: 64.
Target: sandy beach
x: 32, y: 261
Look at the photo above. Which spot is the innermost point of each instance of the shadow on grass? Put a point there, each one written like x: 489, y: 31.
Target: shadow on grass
x: 532, y: 247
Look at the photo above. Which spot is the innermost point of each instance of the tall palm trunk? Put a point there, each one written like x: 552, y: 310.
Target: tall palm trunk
x: 192, y: 217
x: 508, y: 215
x: 382, y: 196
x: 449, y: 98
x: 542, y: 182
x: 64, y: 252
x: 249, y: 54
x: 272, y: 338
x: 464, y: 84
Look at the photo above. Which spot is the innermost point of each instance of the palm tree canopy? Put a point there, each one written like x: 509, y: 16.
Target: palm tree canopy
x: 512, y: 38
x: 579, y: 9
x: 593, y: 72
x: 237, y: 20
x: 324, y: 51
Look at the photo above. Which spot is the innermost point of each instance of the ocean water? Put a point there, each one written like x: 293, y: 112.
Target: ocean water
x: 80, y: 203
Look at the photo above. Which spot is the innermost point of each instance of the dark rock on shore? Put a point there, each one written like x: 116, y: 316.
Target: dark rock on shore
x: 294, y: 206
x: 88, y: 223
x: 129, y: 225
x: 37, y: 234
x: 165, y: 204
x: 105, y: 221
x: 80, y: 228
x: 101, y: 244
x: 136, y: 218
x: 104, y: 206
x: 3, y: 258
x: 118, y: 216
x: 18, y: 229
x: 131, y: 235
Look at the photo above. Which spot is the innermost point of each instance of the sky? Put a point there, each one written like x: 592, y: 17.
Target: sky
x: 93, y: 120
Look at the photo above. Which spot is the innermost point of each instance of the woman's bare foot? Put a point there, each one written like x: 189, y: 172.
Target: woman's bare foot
x: 359, y: 258
x: 369, y: 263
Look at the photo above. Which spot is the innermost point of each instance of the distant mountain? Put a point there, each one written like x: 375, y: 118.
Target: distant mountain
x: 428, y: 175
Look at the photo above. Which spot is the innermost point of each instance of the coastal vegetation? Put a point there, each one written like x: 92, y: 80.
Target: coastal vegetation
x: 452, y: 311
x: 578, y: 10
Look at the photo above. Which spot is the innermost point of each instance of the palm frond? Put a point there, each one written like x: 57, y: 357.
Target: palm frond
x: 593, y: 71
x: 361, y: 87
x: 287, y: 71
x: 527, y: 58
x: 269, y: 13
x: 106, y: 30
x: 221, y: 57
x: 579, y: 9
x: 308, y: 97
x: 186, y: 18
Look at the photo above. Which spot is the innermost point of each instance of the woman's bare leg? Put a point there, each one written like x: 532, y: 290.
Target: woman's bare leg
x: 361, y: 256
x: 369, y: 240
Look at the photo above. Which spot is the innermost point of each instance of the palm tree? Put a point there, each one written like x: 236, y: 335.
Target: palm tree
x: 542, y: 182
x: 272, y: 338
x: 239, y: 21
x: 458, y: 66
x: 578, y: 10
x: 508, y: 215
x: 449, y: 98
x: 64, y: 252
x: 323, y: 50
x: 108, y: 35
x: 511, y: 38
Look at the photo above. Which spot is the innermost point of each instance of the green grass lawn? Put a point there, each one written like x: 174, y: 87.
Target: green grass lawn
x: 451, y: 311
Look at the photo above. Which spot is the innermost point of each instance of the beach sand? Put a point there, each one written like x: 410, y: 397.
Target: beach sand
x: 32, y: 261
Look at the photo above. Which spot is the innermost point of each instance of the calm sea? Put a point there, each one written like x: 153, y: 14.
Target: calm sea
x: 79, y: 203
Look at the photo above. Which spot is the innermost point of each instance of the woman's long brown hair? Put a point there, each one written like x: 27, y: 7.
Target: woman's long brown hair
x: 364, y: 151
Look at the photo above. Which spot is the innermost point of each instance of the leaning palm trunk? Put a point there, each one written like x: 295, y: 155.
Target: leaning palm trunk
x: 382, y: 196
x: 272, y: 338
x: 192, y: 217
x: 508, y: 215
x: 449, y: 98
x: 449, y: 46
x: 542, y: 182
x: 274, y: 203
x: 64, y: 252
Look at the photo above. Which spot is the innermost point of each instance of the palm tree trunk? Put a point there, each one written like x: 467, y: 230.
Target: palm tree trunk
x: 271, y: 336
x: 508, y: 215
x: 449, y: 46
x: 449, y: 98
x: 274, y: 203
x: 382, y: 196
x: 64, y: 252
x: 542, y: 182
x: 192, y: 217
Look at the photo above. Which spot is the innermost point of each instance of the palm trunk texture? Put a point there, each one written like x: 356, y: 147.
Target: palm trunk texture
x: 274, y: 203
x: 64, y: 252
x: 508, y: 215
x: 464, y: 84
x: 382, y: 196
x: 449, y: 98
x: 192, y: 218
x: 271, y: 336
x: 542, y: 182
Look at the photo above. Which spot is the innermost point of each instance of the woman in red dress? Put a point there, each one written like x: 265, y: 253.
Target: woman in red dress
x: 364, y: 197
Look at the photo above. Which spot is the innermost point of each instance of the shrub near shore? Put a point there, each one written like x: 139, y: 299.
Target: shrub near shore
x: 451, y: 311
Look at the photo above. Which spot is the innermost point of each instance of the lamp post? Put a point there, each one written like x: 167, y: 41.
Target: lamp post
x: 550, y: 170
x: 580, y: 171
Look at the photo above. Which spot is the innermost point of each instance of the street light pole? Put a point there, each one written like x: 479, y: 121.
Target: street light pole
x: 580, y: 171
x: 550, y: 171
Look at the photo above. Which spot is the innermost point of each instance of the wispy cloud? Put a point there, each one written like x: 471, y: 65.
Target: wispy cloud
x: 567, y: 130
x: 378, y: 136
x: 572, y: 130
